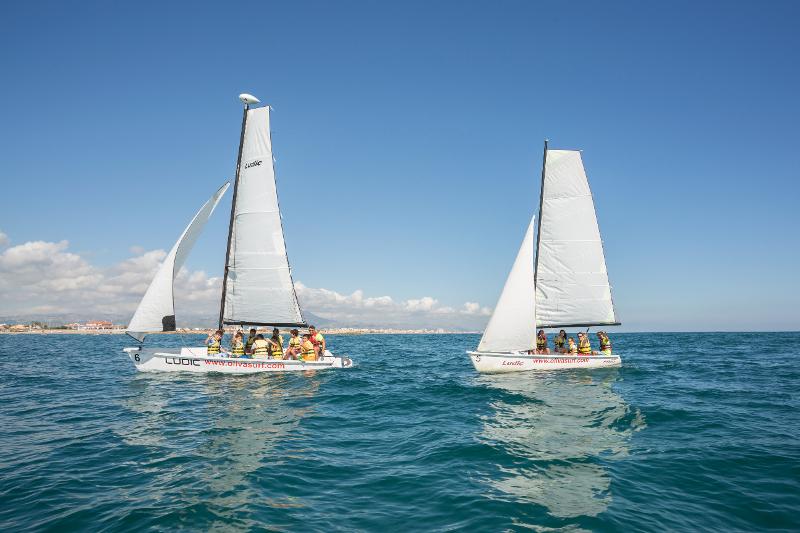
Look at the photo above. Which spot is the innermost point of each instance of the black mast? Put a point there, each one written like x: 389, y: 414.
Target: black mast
x: 233, y: 212
x: 538, y: 224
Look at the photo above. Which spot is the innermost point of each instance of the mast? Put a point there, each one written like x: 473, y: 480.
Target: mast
x: 539, y: 222
x: 247, y: 100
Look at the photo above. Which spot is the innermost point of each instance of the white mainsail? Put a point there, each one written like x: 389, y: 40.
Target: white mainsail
x: 156, y: 311
x: 258, y: 287
x: 511, y: 327
x: 572, y: 286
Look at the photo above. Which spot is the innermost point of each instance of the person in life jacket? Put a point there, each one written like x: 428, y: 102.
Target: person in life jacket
x: 605, y: 343
x: 560, y: 341
x: 308, y: 350
x: 214, y: 343
x: 293, y: 351
x: 573, y: 348
x: 317, y: 340
x: 276, y: 345
x: 260, y: 347
x: 237, y: 345
x: 541, y: 343
x: 251, y: 338
x: 584, y: 346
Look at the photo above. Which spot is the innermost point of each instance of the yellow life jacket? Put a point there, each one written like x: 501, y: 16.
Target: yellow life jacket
x: 605, y: 343
x: 559, y: 341
x: 294, y: 342
x: 308, y: 353
x: 260, y: 347
x: 214, y: 348
x: 237, y: 348
x: 541, y: 343
x: 277, y: 351
x: 584, y: 346
x: 249, y: 344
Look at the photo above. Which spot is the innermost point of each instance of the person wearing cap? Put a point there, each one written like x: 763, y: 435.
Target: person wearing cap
x: 317, y: 340
x: 584, y: 346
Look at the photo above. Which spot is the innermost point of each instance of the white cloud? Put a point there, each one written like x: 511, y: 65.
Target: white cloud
x: 357, y: 310
x: 426, y: 303
x: 44, y: 279
x: 474, y: 308
x: 3, y: 239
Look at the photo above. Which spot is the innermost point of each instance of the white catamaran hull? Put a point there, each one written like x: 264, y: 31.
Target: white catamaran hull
x: 521, y: 361
x: 197, y: 360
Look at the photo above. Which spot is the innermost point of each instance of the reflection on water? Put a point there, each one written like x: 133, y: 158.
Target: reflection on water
x: 234, y: 430
x: 559, y: 430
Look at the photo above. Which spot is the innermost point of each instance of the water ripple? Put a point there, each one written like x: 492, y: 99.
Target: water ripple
x: 695, y: 431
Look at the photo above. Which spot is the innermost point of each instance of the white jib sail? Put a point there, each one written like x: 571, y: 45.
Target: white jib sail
x: 571, y: 280
x: 259, y: 288
x: 156, y: 311
x: 511, y: 326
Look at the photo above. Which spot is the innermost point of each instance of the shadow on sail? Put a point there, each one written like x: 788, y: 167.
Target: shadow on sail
x: 559, y: 431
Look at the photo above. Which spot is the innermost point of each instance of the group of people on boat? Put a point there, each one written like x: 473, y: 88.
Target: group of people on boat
x: 567, y: 345
x: 306, y: 347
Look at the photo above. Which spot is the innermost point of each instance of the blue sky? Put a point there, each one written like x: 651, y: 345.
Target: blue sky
x: 408, y: 140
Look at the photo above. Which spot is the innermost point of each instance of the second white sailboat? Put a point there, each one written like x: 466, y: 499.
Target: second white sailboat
x: 560, y: 281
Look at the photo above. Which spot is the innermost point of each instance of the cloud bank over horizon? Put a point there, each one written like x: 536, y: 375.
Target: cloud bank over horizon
x: 42, y: 280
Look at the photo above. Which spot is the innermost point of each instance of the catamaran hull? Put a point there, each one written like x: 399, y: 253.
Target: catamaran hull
x: 494, y: 362
x: 197, y: 360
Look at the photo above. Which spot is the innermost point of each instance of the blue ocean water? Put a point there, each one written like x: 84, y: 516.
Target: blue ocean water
x: 693, y: 432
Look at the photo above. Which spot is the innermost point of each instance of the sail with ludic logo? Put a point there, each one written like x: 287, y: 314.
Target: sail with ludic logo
x: 258, y: 282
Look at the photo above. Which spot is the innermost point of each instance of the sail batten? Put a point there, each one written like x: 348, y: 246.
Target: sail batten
x: 258, y: 286
x: 572, y: 287
x: 156, y: 311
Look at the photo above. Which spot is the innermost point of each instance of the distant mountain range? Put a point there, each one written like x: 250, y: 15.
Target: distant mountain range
x: 60, y: 319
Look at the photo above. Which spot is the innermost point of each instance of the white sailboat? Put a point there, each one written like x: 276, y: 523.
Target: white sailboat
x: 560, y: 281
x: 257, y: 287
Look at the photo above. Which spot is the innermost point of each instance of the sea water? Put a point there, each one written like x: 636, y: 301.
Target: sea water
x: 693, y: 432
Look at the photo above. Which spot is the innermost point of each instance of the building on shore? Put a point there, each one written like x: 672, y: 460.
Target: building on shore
x: 96, y: 325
